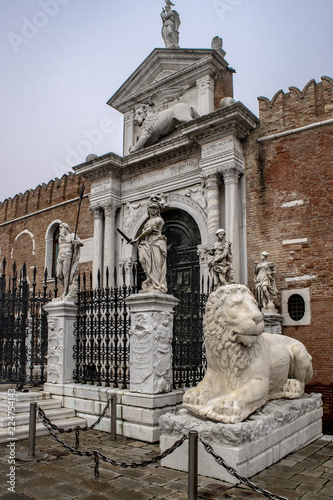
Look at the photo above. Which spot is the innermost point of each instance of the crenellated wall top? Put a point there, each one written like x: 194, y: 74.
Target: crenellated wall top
x: 44, y: 196
x: 302, y: 107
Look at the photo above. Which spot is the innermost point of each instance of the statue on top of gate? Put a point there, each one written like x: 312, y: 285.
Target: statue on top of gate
x: 171, y: 23
x: 68, y: 260
x: 152, y: 248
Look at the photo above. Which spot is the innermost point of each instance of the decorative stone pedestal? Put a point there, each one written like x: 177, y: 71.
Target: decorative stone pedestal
x: 279, y: 428
x: 60, y: 361
x: 150, y: 365
x: 273, y: 321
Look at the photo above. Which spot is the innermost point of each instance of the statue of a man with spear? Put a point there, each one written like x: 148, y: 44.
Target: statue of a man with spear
x: 69, y: 256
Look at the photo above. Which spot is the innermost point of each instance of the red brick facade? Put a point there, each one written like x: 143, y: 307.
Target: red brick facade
x: 25, y: 218
x: 290, y: 197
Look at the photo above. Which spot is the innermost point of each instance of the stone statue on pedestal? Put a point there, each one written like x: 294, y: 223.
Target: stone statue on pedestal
x: 245, y: 367
x: 171, y: 23
x: 152, y: 248
x: 68, y: 260
x: 220, y: 267
x: 264, y: 280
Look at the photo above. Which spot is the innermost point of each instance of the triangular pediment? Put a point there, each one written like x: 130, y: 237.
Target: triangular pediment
x: 165, y: 67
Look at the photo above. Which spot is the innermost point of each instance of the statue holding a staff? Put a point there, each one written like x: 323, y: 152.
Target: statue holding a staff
x: 69, y: 256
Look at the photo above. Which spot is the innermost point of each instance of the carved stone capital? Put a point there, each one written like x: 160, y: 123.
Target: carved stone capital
x: 109, y: 209
x: 206, y: 82
x: 212, y: 181
x: 231, y: 174
x: 96, y: 211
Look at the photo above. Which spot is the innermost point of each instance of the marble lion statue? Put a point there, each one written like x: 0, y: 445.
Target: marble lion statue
x: 245, y: 367
x: 155, y: 124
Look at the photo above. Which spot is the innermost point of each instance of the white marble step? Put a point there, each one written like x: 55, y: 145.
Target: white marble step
x: 23, y: 418
x: 24, y: 396
x: 24, y: 406
x: 22, y: 431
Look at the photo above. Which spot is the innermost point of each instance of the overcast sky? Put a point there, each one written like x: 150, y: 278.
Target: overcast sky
x: 61, y: 60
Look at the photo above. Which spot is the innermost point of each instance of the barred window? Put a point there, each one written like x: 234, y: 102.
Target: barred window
x: 296, y: 307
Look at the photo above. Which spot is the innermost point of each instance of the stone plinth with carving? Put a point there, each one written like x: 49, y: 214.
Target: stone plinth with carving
x: 151, y: 342
x: 61, y: 339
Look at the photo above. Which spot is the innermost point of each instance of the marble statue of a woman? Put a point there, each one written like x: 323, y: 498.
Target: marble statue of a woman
x: 171, y: 23
x: 152, y: 248
x: 264, y: 280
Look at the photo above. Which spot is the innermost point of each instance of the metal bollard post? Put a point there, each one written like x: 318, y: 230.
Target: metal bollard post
x: 193, y: 465
x: 32, y: 455
x: 114, y: 417
x: 32, y: 430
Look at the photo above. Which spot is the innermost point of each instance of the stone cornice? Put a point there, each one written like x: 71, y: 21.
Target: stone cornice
x: 109, y: 164
x: 235, y: 119
x: 201, y: 63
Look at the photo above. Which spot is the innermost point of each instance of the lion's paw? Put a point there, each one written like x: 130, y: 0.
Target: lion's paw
x: 225, y: 409
x: 293, y: 389
x: 195, y: 396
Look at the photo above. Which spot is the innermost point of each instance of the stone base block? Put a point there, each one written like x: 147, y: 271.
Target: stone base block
x: 137, y: 414
x: 141, y: 414
x: 279, y: 428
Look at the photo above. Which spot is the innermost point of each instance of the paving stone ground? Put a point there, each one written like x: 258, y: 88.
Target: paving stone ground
x: 306, y: 474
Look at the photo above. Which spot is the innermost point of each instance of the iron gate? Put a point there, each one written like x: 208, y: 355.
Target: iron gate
x: 23, y: 328
x: 189, y: 355
x: 101, y: 351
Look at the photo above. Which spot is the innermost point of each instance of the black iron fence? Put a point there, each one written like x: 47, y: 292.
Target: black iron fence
x: 189, y: 355
x: 101, y: 351
x: 102, y: 347
x: 23, y: 327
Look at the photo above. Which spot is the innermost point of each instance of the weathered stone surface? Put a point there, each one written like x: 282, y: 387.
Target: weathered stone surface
x: 245, y: 367
x: 262, y: 423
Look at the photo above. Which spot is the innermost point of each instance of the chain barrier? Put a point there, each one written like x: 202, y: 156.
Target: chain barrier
x: 99, y: 456
x: 234, y: 473
x: 76, y: 429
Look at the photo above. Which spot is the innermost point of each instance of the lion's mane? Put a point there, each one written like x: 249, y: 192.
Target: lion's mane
x: 147, y: 127
x: 231, y: 357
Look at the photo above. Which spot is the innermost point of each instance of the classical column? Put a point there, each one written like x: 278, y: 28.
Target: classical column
x: 98, y: 243
x: 213, y: 207
x: 109, y: 238
x: 205, y: 88
x: 232, y: 220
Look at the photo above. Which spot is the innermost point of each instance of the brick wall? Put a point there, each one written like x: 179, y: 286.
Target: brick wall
x: 290, y: 197
x: 25, y: 218
x: 223, y: 87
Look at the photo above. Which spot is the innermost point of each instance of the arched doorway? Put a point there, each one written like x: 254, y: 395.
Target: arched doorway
x: 183, y: 237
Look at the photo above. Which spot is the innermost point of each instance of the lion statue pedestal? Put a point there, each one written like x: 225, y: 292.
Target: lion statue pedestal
x: 247, y: 368
x: 279, y: 428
